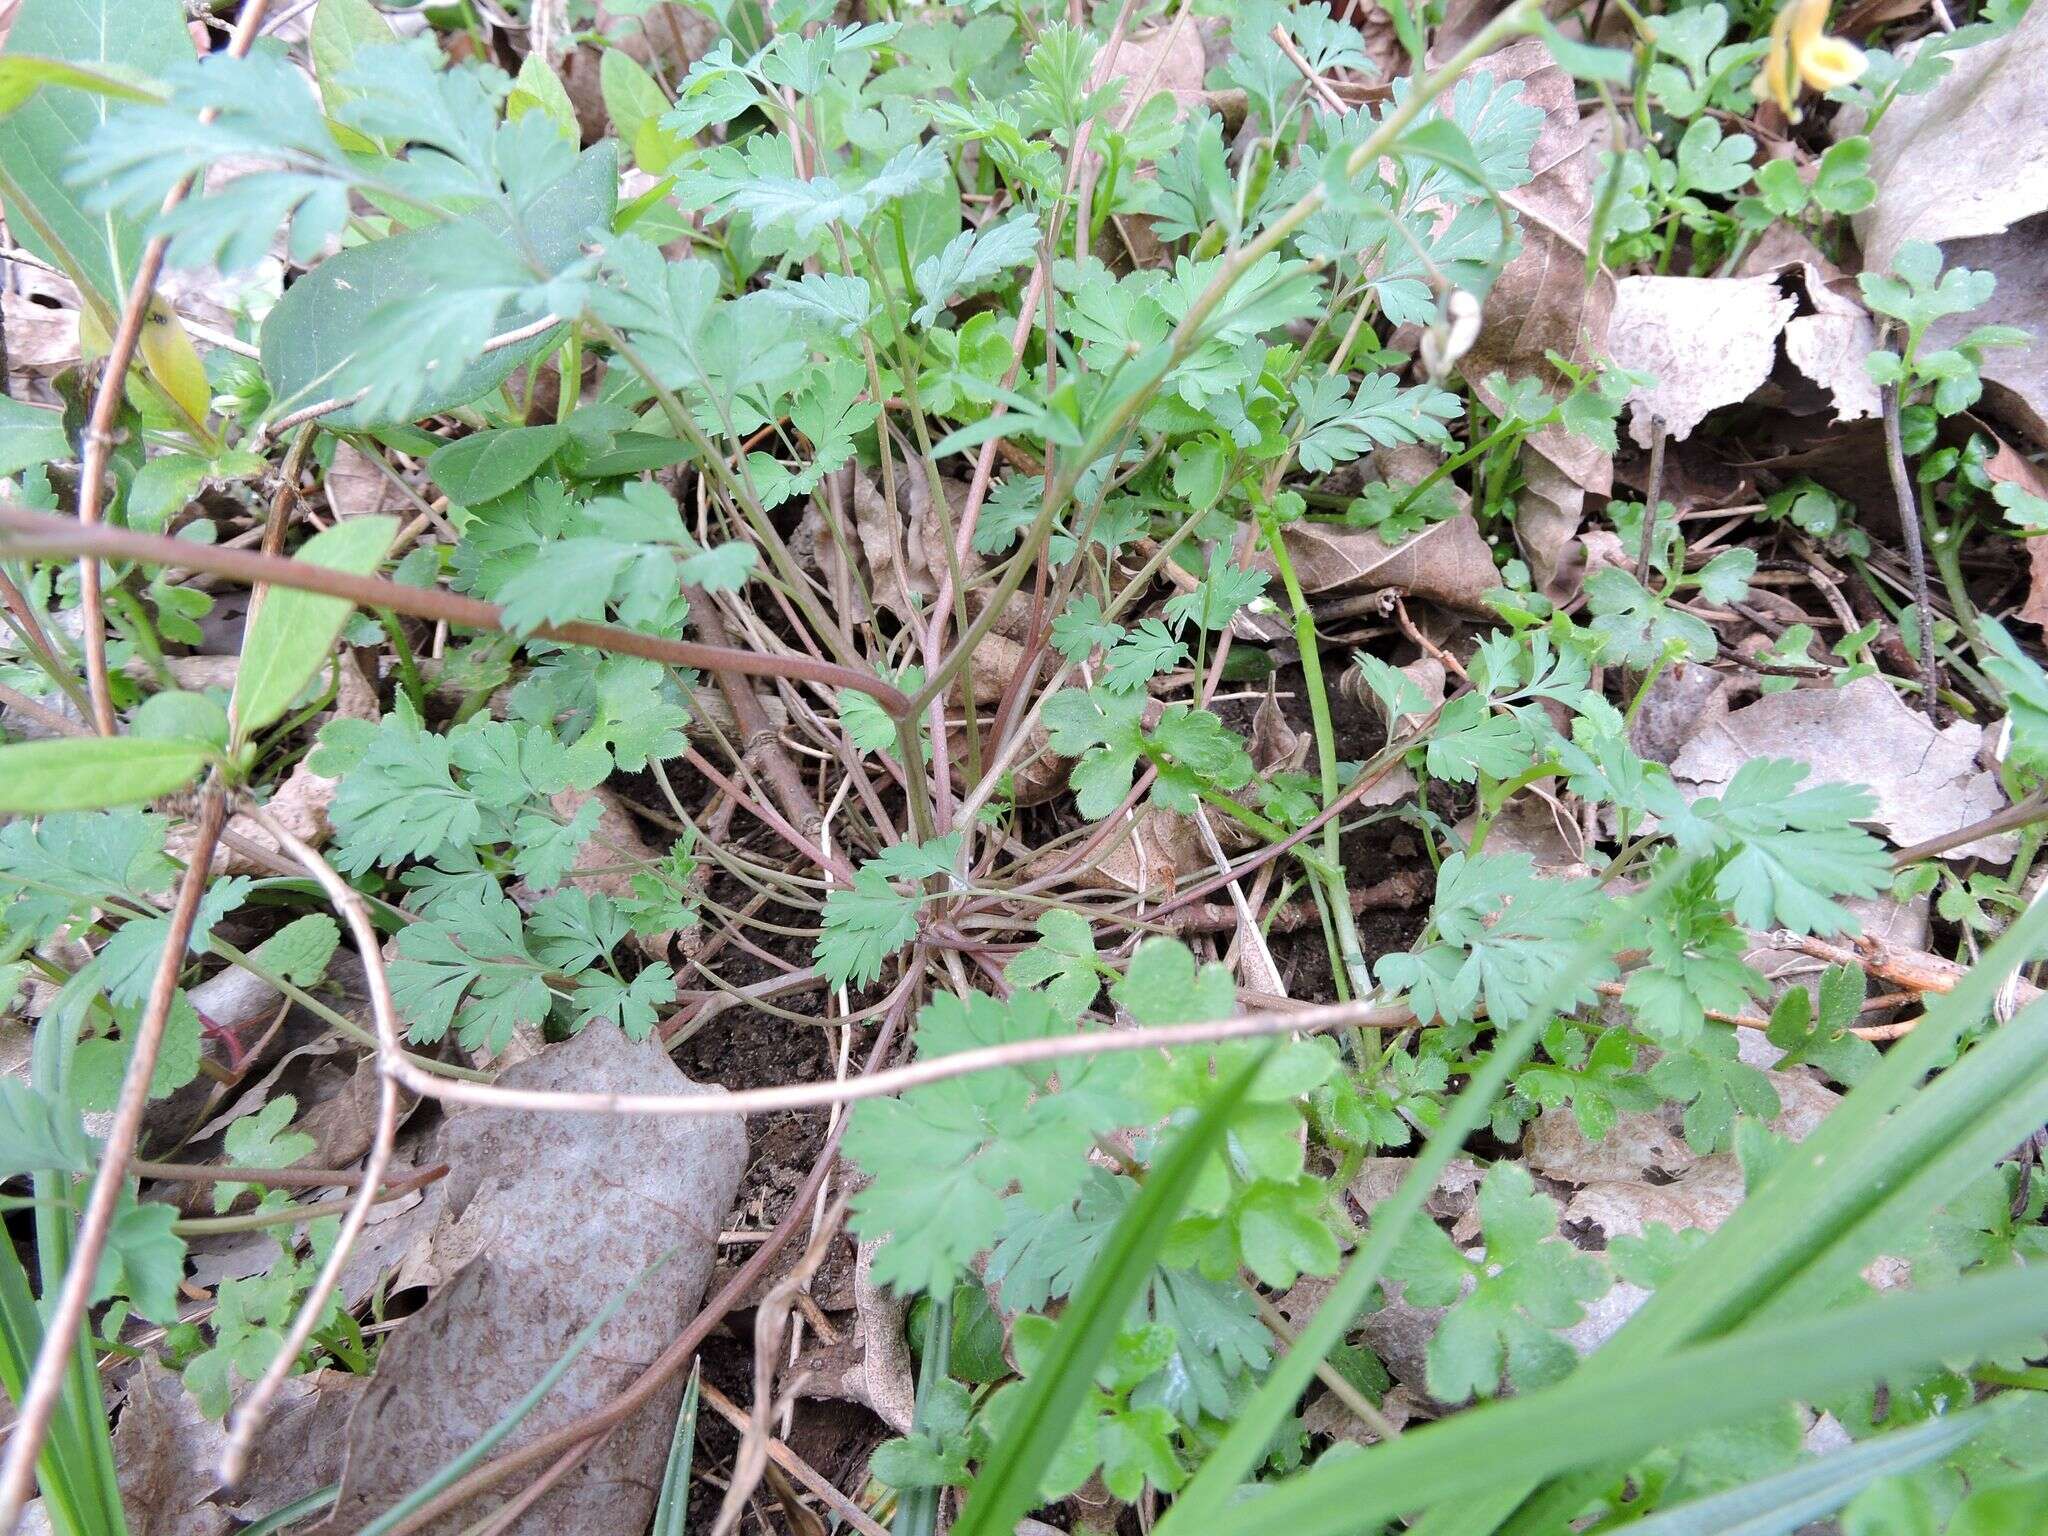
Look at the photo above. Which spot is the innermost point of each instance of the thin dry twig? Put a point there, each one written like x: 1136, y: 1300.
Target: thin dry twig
x: 770, y: 1319
x: 1916, y: 553
x: 99, y: 439
x: 1652, y: 494
x: 249, y: 1413
x: 30, y: 532
x: 60, y: 1335
x: 782, y: 1456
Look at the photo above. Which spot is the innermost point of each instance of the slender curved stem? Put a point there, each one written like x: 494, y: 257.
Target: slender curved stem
x: 24, y: 532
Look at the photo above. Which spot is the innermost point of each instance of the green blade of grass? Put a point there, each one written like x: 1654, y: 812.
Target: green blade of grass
x: 1594, y: 1420
x: 1822, y: 1193
x: 1252, y: 1431
x: 291, y: 1514
x: 1777, y: 1505
x: 672, y: 1509
x: 1008, y: 1485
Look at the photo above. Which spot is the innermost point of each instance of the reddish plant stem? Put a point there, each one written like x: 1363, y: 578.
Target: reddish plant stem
x: 99, y: 428
x: 32, y: 533
x: 60, y: 1336
x: 836, y: 867
x: 760, y: 748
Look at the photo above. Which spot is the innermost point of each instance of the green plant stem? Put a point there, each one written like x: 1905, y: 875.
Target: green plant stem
x: 1464, y: 456
x: 2032, y: 1378
x: 408, y: 664
x: 737, y: 488
x: 571, y: 375
x: 1306, y: 645
x: 338, y: 1020
x: 292, y: 1216
x: 1494, y: 799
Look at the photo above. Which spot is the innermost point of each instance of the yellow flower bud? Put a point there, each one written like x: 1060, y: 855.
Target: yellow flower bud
x: 1830, y: 63
x: 1801, y: 51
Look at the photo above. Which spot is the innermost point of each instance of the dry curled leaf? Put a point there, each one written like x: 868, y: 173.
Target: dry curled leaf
x: 1966, y: 158
x: 1448, y: 562
x: 1705, y: 341
x: 553, y: 1239
x: 1543, y: 303
x: 1965, y: 165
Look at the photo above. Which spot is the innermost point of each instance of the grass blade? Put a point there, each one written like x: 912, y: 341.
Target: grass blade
x: 291, y: 1514
x: 1008, y: 1485
x: 1774, y: 1506
x: 672, y: 1509
x: 1619, y: 1414
x: 1816, y: 1200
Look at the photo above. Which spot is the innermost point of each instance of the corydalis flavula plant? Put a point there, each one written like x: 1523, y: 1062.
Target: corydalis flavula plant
x: 952, y: 425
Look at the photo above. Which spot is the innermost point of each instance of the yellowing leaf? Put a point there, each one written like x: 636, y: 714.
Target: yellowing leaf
x: 172, y: 362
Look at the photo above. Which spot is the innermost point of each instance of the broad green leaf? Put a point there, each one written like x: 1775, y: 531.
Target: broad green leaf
x: 485, y: 465
x: 28, y: 435
x: 89, y: 773
x: 635, y: 105
x: 36, y: 142
x: 300, y: 950
x: 310, y: 339
x: 175, y: 715
x: 292, y: 631
x: 537, y: 88
x: 36, y: 1132
x: 341, y: 28
x: 164, y: 485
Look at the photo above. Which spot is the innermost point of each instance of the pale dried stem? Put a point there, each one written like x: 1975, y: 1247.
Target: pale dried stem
x: 99, y: 440
x: 876, y: 1085
x: 750, y: 1462
x: 1316, y: 83
x: 249, y: 1413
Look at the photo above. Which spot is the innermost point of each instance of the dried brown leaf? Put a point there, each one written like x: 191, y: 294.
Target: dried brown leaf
x: 165, y: 1452
x: 1969, y: 157
x: 554, y: 1239
x: 1706, y: 341
x: 1927, y: 783
x: 1448, y: 562
x: 1543, y: 303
